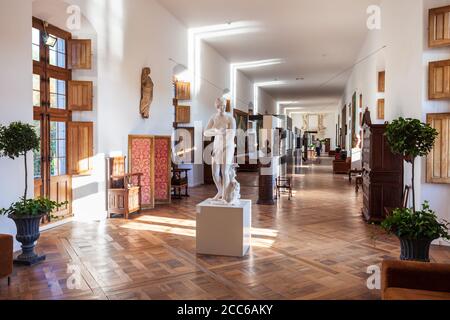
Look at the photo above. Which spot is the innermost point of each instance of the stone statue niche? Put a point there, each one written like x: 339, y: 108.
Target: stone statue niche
x: 146, y: 93
x: 222, y: 127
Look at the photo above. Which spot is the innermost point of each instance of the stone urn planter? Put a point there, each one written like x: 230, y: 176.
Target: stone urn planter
x: 416, y: 231
x: 27, y: 234
x: 415, y: 250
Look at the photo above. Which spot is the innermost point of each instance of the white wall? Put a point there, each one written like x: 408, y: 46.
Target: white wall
x: 405, y: 60
x: 244, y: 91
x: 266, y: 103
x: 16, y: 98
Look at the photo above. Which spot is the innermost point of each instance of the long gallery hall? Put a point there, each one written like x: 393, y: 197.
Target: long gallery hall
x: 239, y: 150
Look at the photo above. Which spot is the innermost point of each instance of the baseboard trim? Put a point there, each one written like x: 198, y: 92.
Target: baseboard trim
x: 56, y: 224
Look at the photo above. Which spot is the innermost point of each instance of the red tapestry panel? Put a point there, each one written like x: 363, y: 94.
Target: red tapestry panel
x: 162, y: 168
x: 141, y: 150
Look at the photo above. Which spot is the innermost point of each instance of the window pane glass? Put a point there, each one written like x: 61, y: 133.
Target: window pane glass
x: 37, y: 154
x: 36, y: 52
x: 58, y: 54
x: 36, y: 99
x: 36, y: 90
x: 61, y: 60
x: 61, y: 45
x: 36, y: 82
x: 36, y: 36
x: 57, y: 94
x: 58, y: 148
x: 53, y: 58
x: 36, y: 41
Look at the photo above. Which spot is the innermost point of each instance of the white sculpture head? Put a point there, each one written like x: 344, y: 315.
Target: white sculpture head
x: 220, y: 105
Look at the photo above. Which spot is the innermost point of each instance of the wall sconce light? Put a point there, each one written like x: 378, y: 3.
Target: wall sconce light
x: 226, y: 92
x: 179, y: 68
x: 49, y: 40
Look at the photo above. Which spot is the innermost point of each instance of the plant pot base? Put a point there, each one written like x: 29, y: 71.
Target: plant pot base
x: 29, y: 261
x: 415, y: 250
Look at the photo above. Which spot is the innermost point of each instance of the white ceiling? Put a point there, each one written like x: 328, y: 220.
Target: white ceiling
x: 317, y: 39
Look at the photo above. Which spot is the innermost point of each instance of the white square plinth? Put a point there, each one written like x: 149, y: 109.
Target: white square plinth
x: 224, y: 230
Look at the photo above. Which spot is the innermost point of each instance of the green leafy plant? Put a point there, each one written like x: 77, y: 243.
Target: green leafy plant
x: 16, y: 140
x: 411, y: 138
x: 31, y: 208
x: 416, y: 225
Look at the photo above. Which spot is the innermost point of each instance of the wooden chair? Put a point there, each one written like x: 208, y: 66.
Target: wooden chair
x: 124, y: 190
x: 180, y: 182
x: 6, y: 257
x: 284, y: 185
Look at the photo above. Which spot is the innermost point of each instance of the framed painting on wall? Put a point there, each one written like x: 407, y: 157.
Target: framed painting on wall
x: 182, y: 90
x: 163, y: 165
x: 141, y: 160
x: 354, y: 138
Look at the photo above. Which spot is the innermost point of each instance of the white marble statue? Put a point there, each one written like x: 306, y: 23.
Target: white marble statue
x: 233, y: 191
x: 222, y: 127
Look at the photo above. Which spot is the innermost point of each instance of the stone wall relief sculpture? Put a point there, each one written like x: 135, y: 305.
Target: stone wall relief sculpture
x: 146, y: 93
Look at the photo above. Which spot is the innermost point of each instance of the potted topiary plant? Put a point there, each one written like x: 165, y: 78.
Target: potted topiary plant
x: 16, y: 141
x: 416, y: 231
x: 412, y: 139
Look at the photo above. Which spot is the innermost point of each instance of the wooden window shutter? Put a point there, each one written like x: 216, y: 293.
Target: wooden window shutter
x: 439, y: 80
x: 81, y: 147
x: 438, y: 161
x: 439, y: 27
x: 381, y: 81
x: 183, y: 114
x: 80, y: 95
x: 79, y: 54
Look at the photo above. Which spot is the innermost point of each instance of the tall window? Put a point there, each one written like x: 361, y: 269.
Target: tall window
x: 50, y: 78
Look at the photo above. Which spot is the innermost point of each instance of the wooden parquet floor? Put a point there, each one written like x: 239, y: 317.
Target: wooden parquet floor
x: 315, y: 246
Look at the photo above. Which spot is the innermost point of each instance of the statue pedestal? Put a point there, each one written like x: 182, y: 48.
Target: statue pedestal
x: 224, y: 230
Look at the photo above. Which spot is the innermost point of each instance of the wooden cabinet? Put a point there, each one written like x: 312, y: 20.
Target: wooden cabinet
x: 439, y: 27
x: 438, y: 161
x: 383, y: 174
x: 79, y: 55
x: 81, y: 149
x: 439, y: 80
x: 80, y: 95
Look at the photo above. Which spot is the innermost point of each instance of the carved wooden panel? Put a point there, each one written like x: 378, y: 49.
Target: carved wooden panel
x: 182, y: 90
x: 182, y: 114
x: 439, y: 27
x: 438, y: 161
x: 61, y: 191
x: 141, y: 160
x: 79, y: 55
x: 80, y: 95
x: 81, y: 147
x: 381, y: 81
x: 439, y: 80
x: 380, y: 109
